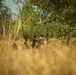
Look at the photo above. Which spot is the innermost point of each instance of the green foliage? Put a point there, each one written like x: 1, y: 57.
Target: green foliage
x: 30, y: 21
x: 57, y: 18
x: 62, y: 11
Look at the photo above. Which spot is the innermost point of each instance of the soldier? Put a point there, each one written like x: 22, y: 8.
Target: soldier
x: 34, y: 40
x: 40, y: 39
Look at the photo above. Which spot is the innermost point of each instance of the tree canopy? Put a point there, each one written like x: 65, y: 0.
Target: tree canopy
x: 62, y: 11
x: 50, y: 18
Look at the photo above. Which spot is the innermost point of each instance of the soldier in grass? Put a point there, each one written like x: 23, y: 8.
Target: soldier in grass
x: 40, y: 39
x: 34, y: 40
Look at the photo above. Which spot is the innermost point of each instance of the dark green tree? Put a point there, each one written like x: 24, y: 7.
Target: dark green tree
x: 62, y: 15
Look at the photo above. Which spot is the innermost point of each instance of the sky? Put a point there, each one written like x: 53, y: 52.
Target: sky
x: 11, y: 4
x: 13, y: 7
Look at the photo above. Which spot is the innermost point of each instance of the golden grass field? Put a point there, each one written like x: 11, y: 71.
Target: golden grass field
x: 54, y: 58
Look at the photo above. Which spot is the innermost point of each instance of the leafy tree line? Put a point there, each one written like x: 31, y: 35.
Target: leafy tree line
x: 5, y: 20
x: 62, y: 11
x: 50, y: 18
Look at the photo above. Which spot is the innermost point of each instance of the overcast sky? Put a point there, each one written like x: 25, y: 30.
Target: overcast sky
x: 12, y: 5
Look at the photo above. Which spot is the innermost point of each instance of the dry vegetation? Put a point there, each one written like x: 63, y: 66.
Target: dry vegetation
x: 54, y: 58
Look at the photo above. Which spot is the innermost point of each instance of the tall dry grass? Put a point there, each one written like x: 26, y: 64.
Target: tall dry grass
x: 54, y: 58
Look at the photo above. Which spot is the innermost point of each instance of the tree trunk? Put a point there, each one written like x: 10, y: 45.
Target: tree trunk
x: 3, y: 25
x: 68, y: 40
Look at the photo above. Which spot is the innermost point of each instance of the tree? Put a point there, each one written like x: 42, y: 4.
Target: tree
x: 52, y: 18
x: 5, y: 20
x: 62, y: 11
